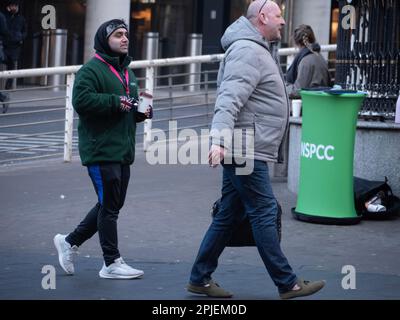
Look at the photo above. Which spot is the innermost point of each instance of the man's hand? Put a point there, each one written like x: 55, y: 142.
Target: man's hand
x: 127, y: 103
x: 216, y: 155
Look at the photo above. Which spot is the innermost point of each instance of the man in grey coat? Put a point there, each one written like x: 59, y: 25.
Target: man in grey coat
x: 251, y: 97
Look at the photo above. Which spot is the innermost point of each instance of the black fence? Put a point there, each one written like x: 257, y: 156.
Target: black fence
x: 368, y: 53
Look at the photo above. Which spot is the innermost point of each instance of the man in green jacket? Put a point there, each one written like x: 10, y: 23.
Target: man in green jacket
x: 104, y: 96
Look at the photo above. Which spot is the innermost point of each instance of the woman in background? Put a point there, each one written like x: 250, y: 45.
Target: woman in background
x: 309, y: 69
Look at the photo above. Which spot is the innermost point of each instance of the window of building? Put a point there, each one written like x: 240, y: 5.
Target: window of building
x: 172, y: 19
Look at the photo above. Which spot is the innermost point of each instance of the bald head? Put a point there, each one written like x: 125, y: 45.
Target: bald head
x: 266, y: 16
x: 255, y: 6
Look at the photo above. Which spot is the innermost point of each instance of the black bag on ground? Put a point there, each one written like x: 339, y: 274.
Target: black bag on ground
x: 365, y: 190
x: 242, y: 235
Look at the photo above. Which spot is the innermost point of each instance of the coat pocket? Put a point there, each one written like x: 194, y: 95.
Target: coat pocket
x: 268, y: 135
x: 100, y: 140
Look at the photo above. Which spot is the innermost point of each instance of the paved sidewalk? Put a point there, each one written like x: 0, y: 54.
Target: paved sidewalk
x: 160, y: 229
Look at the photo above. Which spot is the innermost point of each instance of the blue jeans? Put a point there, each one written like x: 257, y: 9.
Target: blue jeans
x: 260, y: 205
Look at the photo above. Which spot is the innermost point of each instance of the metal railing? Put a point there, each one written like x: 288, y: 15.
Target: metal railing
x: 173, y: 100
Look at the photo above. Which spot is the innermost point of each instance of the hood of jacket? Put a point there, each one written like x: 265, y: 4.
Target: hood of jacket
x: 242, y: 29
x: 101, y: 39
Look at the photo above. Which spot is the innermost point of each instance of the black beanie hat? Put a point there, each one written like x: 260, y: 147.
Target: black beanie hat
x: 104, y: 32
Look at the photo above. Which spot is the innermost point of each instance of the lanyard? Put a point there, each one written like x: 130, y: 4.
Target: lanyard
x: 126, y: 86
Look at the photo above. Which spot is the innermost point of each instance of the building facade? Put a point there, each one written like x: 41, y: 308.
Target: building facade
x: 173, y: 20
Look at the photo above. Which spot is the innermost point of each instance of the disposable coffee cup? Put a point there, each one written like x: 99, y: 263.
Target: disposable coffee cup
x: 145, y: 101
x: 296, y: 108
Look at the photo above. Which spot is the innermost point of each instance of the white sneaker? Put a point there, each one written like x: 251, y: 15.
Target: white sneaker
x: 119, y: 270
x: 65, y: 253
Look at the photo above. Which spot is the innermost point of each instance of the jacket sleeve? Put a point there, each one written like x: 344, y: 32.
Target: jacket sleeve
x: 3, y: 27
x: 18, y: 32
x: 87, y: 98
x: 304, y: 78
x: 139, y: 117
x: 238, y: 81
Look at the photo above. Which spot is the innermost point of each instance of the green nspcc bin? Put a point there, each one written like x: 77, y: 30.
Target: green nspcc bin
x: 327, y: 154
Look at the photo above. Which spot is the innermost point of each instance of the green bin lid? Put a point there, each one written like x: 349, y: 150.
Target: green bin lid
x: 331, y: 93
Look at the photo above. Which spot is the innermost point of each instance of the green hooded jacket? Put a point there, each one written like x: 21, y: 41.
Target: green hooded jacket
x: 106, y: 135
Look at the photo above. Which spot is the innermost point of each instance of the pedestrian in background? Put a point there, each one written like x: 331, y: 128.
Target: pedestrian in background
x: 17, y: 33
x: 104, y: 97
x: 4, y: 97
x: 309, y: 69
x: 251, y: 94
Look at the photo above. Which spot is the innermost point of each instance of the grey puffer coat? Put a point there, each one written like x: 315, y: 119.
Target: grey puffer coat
x: 251, y: 93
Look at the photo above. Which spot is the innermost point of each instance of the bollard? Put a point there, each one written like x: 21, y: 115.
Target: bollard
x: 76, y: 44
x: 194, y: 48
x: 35, y: 58
x: 44, y: 63
x: 150, y: 46
x: 57, y: 55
